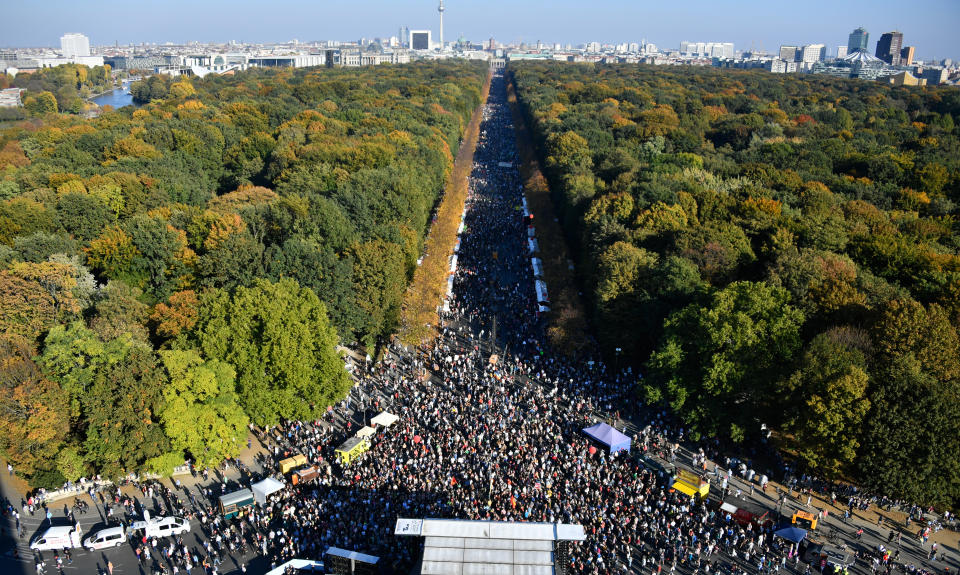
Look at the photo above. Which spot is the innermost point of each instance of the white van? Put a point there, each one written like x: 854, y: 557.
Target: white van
x: 58, y: 537
x: 162, y: 526
x: 109, y: 537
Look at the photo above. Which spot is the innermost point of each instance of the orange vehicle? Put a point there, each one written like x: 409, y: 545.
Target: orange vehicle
x: 804, y: 520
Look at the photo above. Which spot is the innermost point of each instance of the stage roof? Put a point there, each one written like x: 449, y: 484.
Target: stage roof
x: 488, y: 547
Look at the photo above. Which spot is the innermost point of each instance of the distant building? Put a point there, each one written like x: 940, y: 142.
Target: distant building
x: 722, y: 50
x: 906, y: 55
x: 73, y: 45
x: 404, y: 37
x: 138, y: 62
x: 781, y: 67
x: 491, y: 44
x: 858, y: 64
x: 10, y: 98
x: 420, y: 40
x: 889, y: 46
x: 935, y: 76
x: 789, y: 53
x: 859, y: 40
x: 905, y: 79
x: 812, y: 53
x: 841, y: 51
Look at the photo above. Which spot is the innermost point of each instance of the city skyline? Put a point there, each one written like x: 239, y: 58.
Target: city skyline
x: 746, y: 23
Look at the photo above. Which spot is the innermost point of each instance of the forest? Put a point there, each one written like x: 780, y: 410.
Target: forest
x: 62, y: 88
x: 173, y: 272
x: 774, y: 253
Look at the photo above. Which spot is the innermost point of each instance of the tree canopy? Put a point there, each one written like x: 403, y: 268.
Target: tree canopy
x: 201, y: 255
x: 770, y: 249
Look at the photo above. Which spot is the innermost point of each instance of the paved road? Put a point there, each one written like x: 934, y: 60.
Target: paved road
x: 16, y: 556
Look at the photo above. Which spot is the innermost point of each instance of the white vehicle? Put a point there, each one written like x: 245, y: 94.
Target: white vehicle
x: 109, y: 537
x: 58, y: 537
x: 162, y: 526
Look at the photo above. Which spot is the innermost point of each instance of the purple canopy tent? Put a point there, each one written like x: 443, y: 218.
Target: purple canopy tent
x: 609, y: 436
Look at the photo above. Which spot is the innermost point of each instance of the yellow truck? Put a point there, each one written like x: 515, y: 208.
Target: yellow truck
x: 352, y: 449
x: 691, y: 484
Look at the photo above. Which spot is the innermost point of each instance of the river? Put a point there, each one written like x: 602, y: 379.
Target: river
x: 117, y: 98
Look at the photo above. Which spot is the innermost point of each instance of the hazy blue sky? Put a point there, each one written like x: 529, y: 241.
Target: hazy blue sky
x: 930, y: 25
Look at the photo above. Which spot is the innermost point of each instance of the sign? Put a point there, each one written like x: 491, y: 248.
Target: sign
x: 408, y: 527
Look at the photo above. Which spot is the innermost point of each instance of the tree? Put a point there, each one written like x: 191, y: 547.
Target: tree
x: 829, y: 395
x: 39, y: 246
x: 201, y: 415
x: 65, y: 279
x: 84, y: 215
x: 235, y: 261
x: 34, y: 419
x: 379, y: 278
x: 160, y: 254
x: 26, y: 309
x: 278, y: 339
x: 118, y: 311
x: 716, y: 362
x: 42, y: 104
x: 911, y: 446
x: 176, y: 316
x: 115, y: 393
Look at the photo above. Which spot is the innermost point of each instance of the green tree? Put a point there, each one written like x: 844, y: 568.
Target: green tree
x: 379, y: 278
x: 201, y: 414
x: 911, y: 446
x: 829, y: 398
x: 278, y: 339
x: 716, y: 363
x: 119, y: 311
x: 115, y: 391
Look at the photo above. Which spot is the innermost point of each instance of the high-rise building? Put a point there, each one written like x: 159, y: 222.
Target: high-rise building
x: 492, y: 44
x: 859, y: 40
x: 404, y: 37
x: 906, y: 55
x: 841, y: 51
x: 789, y: 53
x: 420, y: 40
x: 888, y: 47
x: 73, y: 45
x: 812, y: 53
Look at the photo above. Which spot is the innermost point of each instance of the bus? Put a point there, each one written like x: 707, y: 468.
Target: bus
x: 233, y: 504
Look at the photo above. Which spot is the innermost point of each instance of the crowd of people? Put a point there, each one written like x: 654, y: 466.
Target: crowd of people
x: 490, y: 427
x: 499, y: 439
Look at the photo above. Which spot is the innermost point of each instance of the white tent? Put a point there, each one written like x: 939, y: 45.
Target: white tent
x: 366, y: 431
x: 265, y: 488
x: 385, y: 419
x: 532, y: 245
x: 537, y: 265
x: 541, y: 287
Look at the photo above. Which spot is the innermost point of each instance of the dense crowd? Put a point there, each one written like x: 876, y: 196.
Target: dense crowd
x: 499, y: 440
x: 477, y: 438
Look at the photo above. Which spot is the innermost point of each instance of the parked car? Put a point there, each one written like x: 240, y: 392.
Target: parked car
x: 109, y: 537
x: 162, y: 526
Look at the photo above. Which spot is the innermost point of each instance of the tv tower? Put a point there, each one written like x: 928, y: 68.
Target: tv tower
x: 440, y: 10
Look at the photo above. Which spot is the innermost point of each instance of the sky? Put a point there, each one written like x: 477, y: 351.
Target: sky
x: 930, y: 25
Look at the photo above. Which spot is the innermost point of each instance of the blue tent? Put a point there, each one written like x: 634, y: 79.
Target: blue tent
x: 609, y: 436
x: 794, y: 534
